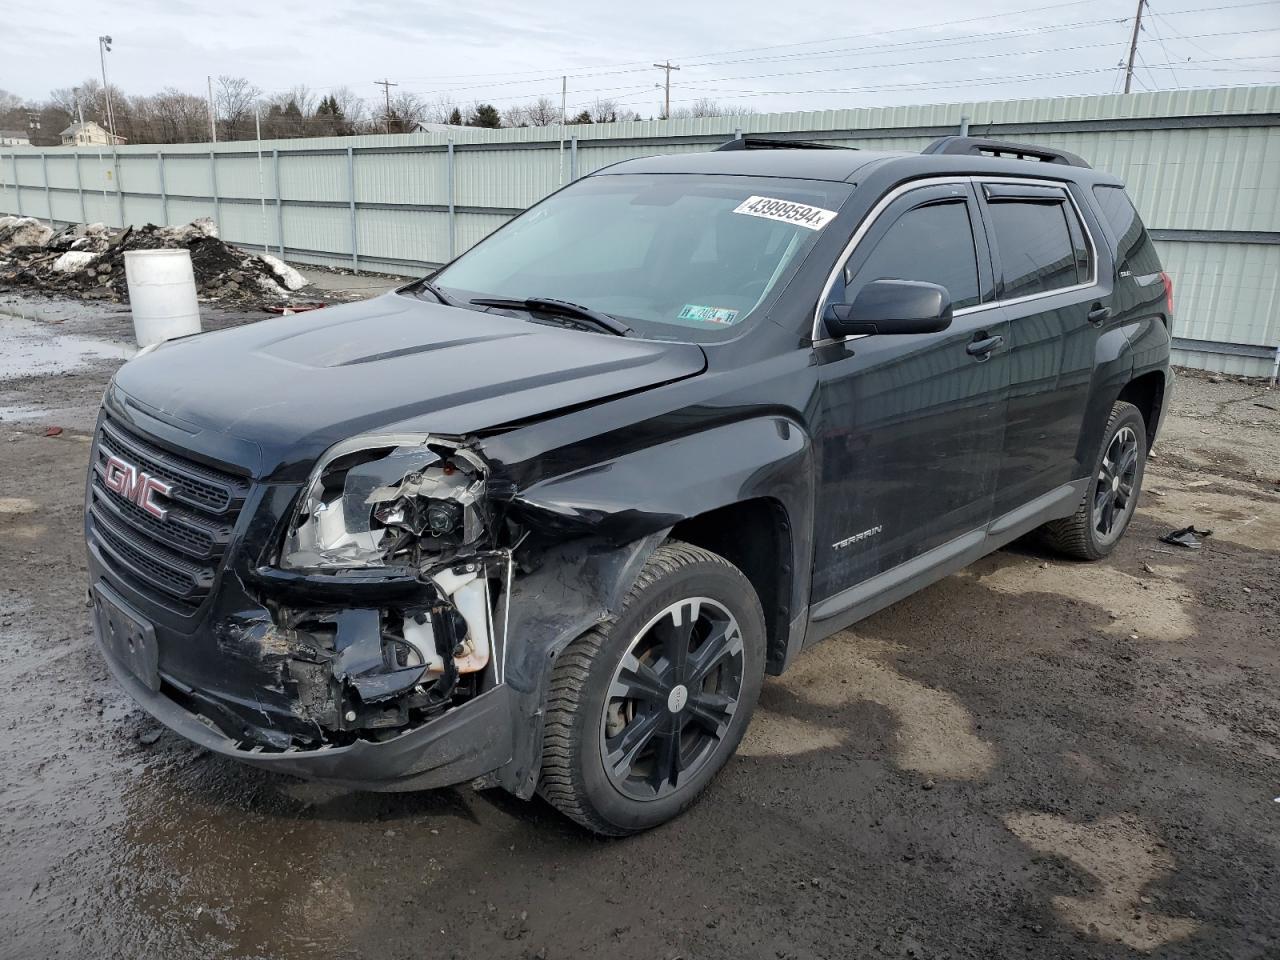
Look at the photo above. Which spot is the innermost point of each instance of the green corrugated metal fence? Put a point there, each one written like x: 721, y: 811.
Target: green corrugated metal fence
x: 1203, y: 167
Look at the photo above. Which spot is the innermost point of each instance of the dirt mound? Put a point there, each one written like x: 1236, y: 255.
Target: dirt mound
x: 88, y: 261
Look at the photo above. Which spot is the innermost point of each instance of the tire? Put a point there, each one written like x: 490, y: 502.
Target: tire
x: 1118, y: 467
x: 624, y: 750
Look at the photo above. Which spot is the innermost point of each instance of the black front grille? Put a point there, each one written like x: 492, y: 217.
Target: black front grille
x: 173, y: 559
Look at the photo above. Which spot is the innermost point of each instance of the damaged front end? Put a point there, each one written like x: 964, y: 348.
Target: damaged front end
x: 381, y: 595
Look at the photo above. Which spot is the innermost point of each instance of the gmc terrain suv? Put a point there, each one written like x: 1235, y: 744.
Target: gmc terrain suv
x: 545, y: 520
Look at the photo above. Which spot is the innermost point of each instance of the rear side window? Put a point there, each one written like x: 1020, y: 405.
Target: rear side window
x: 1037, y: 250
x: 1134, y: 250
x: 932, y: 243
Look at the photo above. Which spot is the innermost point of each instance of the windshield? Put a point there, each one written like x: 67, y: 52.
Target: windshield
x: 674, y: 256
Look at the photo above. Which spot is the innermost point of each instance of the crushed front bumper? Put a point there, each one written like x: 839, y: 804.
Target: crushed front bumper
x: 464, y: 743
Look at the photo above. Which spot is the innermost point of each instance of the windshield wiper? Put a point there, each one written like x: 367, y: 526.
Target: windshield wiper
x: 431, y: 288
x: 564, y: 308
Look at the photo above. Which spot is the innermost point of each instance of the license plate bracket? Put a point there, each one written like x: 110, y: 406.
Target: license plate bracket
x: 127, y: 638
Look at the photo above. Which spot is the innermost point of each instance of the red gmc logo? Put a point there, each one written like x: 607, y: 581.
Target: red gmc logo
x: 131, y: 483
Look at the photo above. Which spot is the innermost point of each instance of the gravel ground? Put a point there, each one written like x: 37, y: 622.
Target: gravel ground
x: 1031, y: 758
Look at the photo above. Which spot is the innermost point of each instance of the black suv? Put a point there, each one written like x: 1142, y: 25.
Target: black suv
x: 545, y: 520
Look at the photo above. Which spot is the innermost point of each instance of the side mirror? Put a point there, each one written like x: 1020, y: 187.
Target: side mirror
x: 891, y: 306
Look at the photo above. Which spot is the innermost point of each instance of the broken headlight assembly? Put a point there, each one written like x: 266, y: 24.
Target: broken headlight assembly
x: 414, y: 507
x: 380, y: 501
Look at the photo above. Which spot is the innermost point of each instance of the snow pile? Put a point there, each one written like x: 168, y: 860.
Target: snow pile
x: 88, y: 261
x: 18, y: 232
x: 73, y: 261
x: 289, y: 278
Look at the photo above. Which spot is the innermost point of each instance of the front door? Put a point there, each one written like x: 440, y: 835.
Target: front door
x: 911, y: 426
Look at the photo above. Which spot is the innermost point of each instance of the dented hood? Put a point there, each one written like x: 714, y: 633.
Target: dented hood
x: 293, y: 386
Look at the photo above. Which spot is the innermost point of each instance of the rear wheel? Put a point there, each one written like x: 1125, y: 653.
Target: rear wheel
x: 1104, y: 514
x: 643, y: 712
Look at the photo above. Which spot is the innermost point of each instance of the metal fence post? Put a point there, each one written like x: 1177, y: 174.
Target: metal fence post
x: 351, y: 191
x: 213, y: 185
x: 164, y: 190
x: 84, y: 215
x: 48, y: 199
x: 573, y: 159
x: 115, y: 162
x: 452, y: 212
x: 17, y: 187
x: 275, y: 164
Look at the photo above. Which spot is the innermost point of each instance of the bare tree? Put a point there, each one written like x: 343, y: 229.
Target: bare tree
x: 407, y: 111
x: 705, y: 107
x: 352, y: 106
x: 441, y: 110
x: 178, y: 117
x: 234, y: 99
x: 542, y: 112
x: 608, y: 111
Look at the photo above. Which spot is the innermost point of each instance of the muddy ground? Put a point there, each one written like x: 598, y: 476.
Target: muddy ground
x: 1032, y: 758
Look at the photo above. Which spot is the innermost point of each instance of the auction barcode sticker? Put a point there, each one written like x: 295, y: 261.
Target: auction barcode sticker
x: 801, y: 214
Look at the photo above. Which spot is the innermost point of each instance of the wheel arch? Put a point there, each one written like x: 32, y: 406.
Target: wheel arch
x: 1147, y: 392
x: 766, y: 558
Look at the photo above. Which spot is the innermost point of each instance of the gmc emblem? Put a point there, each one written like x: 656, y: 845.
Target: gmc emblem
x: 135, y: 486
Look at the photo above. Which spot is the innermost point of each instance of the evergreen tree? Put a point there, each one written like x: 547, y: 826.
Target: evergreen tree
x: 455, y: 118
x: 485, y: 115
x: 583, y: 117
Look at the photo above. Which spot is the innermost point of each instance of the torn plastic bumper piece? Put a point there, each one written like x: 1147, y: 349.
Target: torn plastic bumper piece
x: 466, y: 742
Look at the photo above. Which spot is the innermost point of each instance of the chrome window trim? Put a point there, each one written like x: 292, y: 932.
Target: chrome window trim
x: 897, y: 192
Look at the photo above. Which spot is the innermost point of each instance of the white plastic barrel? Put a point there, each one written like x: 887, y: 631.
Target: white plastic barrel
x: 162, y: 294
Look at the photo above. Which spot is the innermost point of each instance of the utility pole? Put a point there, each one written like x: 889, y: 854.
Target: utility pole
x: 213, y: 121
x: 666, y: 107
x: 104, y: 45
x: 386, y: 86
x: 1133, y: 46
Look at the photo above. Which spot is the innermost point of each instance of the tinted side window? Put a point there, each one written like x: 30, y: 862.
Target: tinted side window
x: 1134, y: 250
x: 933, y: 243
x: 1035, y: 247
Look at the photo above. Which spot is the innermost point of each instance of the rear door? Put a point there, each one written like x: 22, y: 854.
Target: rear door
x: 910, y: 426
x: 1047, y: 280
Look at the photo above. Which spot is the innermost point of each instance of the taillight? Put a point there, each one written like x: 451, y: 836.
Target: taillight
x: 1168, y: 294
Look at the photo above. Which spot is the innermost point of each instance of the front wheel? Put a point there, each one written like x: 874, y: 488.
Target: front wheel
x: 644, y: 711
x: 1104, y: 514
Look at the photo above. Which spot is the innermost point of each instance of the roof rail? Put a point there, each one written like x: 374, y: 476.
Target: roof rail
x: 774, y: 143
x: 979, y: 147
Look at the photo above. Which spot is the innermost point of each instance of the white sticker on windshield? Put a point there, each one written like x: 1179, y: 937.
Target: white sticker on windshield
x: 800, y: 214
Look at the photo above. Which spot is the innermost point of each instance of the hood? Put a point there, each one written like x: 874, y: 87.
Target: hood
x: 291, y: 387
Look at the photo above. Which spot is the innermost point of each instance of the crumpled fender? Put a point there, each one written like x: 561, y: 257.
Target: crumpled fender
x: 576, y: 586
x: 656, y: 486
x: 609, y: 518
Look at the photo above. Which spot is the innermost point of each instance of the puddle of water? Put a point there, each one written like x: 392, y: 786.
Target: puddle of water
x: 31, y: 349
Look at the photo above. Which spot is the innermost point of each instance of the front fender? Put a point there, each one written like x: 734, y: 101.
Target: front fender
x: 629, y: 496
x: 609, y: 518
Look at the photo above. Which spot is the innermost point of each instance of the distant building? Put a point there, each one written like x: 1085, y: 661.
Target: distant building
x: 423, y: 126
x: 87, y: 134
x: 14, y: 138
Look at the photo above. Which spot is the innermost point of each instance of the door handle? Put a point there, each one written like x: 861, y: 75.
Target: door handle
x: 982, y: 348
x: 1099, y: 314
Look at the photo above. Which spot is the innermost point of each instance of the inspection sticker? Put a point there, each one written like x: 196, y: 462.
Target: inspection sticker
x: 721, y: 315
x: 801, y: 214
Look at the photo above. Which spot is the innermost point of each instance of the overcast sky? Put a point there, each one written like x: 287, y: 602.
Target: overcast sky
x: 763, y: 54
